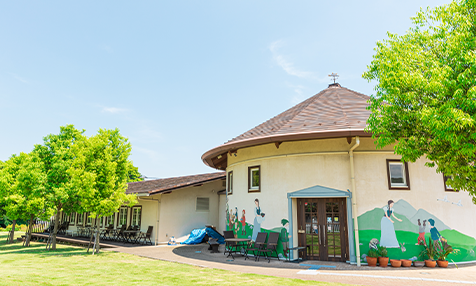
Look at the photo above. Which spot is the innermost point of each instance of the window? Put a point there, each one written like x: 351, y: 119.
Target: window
x: 136, y: 214
x: 254, y: 179
x: 230, y: 182
x: 72, y: 219
x: 448, y: 188
x: 80, y: 219
x: 122, y: 217
x: 397, y: 173
x: 203, y: 204
x: 89, y: 220
x: 64, y: 217
x: 110, y: 220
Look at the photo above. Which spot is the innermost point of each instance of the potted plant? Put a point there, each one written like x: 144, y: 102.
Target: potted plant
x: 372, y: 257
x: 383, y: 256
x: 418, y: 263
x: 430, y: 251
x: 443, y: 250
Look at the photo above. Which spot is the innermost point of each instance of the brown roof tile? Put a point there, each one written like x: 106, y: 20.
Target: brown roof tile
x: 169, y: 184
x: 334, y: 112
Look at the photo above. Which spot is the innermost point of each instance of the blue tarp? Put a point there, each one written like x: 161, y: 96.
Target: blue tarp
x: 197, y: 235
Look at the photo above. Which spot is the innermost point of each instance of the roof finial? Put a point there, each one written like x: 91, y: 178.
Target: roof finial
x: 334, y: 76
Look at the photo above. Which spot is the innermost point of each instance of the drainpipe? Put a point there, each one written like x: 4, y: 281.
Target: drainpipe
x: 354, y: 199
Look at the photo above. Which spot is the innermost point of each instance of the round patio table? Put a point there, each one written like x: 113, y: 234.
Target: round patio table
x: 236, y: 243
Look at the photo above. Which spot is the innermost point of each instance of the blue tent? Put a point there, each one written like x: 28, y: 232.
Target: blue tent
x: 197, y: 235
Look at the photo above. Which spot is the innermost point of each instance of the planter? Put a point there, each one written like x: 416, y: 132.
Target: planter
x: 371, y: 261
x: 430, y: 263
x: 442, y: 263
x: 406, y: 263
x: 395, y: 263
x: 383, y: 261
x: 418, y: 263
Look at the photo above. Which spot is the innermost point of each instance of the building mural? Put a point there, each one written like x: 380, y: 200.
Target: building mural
x: 402, y: 228
x: 243, y: 229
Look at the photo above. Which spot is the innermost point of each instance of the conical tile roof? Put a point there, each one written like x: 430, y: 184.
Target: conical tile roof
x: 334, y: 112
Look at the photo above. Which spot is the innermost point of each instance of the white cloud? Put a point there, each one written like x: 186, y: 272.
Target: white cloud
x: 285, y: 64
x: 113, y: 110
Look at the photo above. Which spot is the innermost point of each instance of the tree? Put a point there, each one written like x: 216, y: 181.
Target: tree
x: 22, y: 189
x: 57, y: 156
x: 425, y: 101
x: 100, y: 173
x: 134, y: 175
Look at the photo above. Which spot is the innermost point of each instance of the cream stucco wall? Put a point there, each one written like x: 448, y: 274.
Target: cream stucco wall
x: 299, y: 165
x: 178, y: 215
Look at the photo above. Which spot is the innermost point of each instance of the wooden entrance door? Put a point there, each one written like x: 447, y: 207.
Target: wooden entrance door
x: 322, y: 228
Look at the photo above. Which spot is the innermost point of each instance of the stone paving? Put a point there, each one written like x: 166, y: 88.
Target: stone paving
x: 199, y: 255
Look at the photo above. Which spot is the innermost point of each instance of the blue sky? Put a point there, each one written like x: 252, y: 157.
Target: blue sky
x: 178, y: 77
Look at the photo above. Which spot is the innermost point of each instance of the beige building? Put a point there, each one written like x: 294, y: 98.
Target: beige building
x: 314, y: 175
x: 172, y: 206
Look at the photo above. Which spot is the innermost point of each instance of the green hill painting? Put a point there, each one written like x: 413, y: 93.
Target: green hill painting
x: 407, y: 232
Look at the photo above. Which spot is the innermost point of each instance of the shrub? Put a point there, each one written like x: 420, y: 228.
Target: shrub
x: 9, y: 227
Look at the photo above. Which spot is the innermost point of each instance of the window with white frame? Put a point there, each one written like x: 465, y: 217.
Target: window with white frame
x: 136, y: 213
x: 397, y: 172
x: 89, y: 220
x: 110, y: 220
x: 80, y: 219
x: 122, y: 218
x: 230, y: 182
x: 254, y: 179
x: 72, y: 218
x: 203, y: 204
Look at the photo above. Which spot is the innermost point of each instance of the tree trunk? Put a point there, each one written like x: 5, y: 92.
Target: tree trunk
x: 55, y: 230
x: 12, y: 234
x: 97, y: 234
x: 29, y: 229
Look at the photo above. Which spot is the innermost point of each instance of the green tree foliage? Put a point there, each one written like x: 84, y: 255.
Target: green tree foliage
x: 100, y: 173
x: 425, y: 101
x: 57, y: 156
x: 22, y: 188
x: 134, y: 175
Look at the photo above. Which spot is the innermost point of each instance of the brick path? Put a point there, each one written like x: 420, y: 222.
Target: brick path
x: 199, y: 255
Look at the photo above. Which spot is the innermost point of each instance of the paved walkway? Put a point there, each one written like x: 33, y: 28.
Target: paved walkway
x: 199, y: 255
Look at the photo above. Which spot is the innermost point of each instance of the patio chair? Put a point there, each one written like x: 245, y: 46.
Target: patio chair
x: 145, y: 235
x: 258, y: 246
x: 229, y: 245
x: 120, y: 233
x: 106, y: 233
x: 271, y: 246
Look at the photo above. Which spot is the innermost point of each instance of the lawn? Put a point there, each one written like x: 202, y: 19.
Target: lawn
x: 70, y: 265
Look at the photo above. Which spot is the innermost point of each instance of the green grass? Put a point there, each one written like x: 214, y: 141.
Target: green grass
x: 70, y: 265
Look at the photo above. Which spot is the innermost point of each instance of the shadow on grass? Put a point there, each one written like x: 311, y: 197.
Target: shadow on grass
x: 39, y: 249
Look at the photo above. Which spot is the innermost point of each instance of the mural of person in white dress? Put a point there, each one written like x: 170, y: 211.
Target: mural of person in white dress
x: 259, y: 218
x: 388, y: 237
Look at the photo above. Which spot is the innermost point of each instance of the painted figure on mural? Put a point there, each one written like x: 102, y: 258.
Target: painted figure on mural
x: 259, y: 218
x: 227, y: 222
x: 284, y: 236
x: 236, y: 220
x: 388, y: 237
x: 243, y: 223
x: 231, y: 221
x: 421, y: 233
x: 435, y: 234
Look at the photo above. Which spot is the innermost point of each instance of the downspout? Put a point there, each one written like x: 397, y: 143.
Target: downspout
x: 354, y: 199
